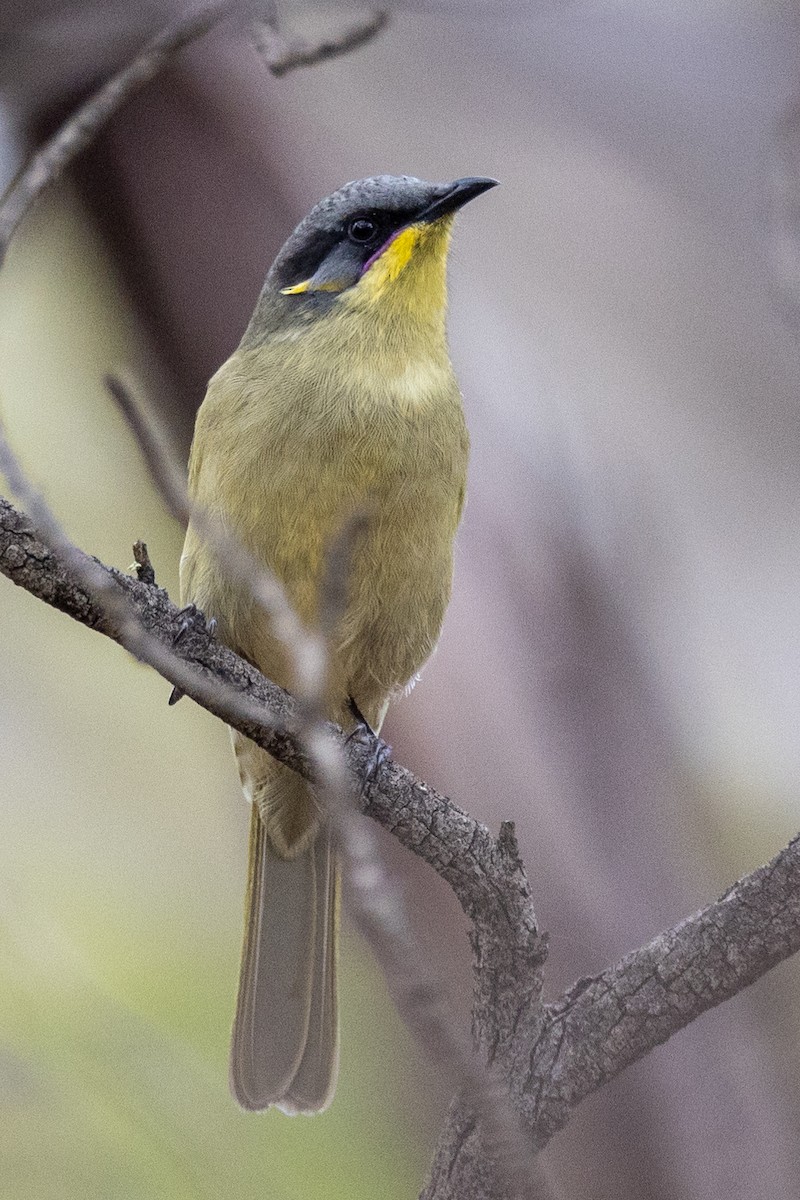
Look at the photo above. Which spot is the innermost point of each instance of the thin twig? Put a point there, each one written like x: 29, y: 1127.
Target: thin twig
x: 153, y: 443
x: 82, y: 127
x: 282, y: 55
x: 49, y: 163
x: 144, y: 568
x: 337, y: 574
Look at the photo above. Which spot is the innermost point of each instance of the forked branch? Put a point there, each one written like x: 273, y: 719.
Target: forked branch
x: 550, y: 1056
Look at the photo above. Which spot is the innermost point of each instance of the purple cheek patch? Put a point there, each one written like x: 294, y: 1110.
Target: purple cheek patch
x: 379, y: 252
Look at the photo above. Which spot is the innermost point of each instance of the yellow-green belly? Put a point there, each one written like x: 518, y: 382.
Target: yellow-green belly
x: 286, y: 469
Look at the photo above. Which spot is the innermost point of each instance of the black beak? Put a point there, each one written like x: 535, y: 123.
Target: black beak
x: 455, y: 195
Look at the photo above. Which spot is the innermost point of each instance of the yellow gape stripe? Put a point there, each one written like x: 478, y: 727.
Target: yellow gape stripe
x: 297, y: 289
x: 308, y: 285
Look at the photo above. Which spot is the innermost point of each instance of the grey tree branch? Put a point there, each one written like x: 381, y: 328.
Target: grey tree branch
x: 603, y: 1024
x: 550, y: 1056
x: 282, y: 56
x: 82, y: 127
x: 457, y: 846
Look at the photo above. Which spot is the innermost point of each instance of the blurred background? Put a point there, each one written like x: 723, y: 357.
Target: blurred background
x: 620, y: 667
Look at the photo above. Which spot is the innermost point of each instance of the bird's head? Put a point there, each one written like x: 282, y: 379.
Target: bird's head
x: 374, y: 242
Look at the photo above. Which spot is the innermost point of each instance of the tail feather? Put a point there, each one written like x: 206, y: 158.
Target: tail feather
x: 314, y: 1082
x: 285, y: 1036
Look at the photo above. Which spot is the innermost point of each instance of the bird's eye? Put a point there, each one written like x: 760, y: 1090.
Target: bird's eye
x: 361, y: 230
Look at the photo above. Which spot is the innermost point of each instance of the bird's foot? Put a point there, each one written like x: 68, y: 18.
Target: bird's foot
x: 365, y: 735
x: 191, y: 618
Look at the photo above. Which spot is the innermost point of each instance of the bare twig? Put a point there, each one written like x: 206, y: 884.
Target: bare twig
x: 144, y: 567
x: 337, y: 574
x: 81, y: 128
x: 282, y: 56
x: 784, y: 213
x: 153, y: 444
x: 78, y: 132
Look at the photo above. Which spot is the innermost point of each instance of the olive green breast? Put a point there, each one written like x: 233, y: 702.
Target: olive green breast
x: 297, y: 432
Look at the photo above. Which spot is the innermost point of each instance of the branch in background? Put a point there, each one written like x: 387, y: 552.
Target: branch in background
x: 49, y: 163
x: 153, y: 444
x: 83, y: 126
x: 784, y: 214
x: 282, y: 55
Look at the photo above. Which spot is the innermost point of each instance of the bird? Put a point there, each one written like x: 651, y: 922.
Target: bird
x: 340, y: 394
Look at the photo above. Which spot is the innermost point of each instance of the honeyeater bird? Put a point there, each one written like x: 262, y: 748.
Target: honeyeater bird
x: 341, y: 394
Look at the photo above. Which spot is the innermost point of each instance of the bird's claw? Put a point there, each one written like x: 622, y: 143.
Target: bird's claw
x: 191, y: 618
x: 361, y: 721
x: 363, y: 733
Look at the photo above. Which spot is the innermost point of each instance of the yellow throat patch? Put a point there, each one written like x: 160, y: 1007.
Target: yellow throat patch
x: 412, y: 267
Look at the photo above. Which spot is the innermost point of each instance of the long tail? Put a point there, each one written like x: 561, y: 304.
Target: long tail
x: 285, y: 1047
